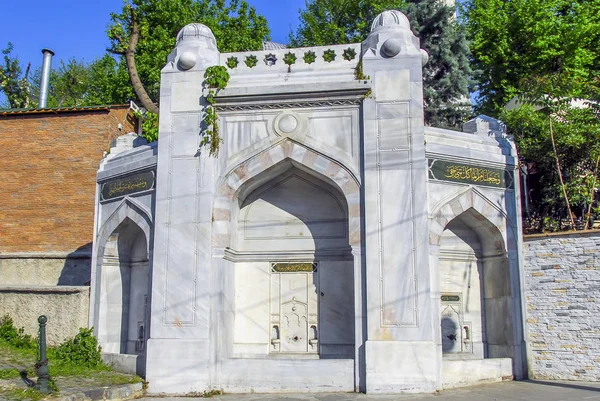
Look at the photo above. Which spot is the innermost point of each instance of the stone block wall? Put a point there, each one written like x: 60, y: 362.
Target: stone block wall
x: 562, y: 284
x: 66, y: 308
x: 48, y: 164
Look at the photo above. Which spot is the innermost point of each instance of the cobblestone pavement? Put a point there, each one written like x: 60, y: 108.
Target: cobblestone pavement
x: 507, y: 391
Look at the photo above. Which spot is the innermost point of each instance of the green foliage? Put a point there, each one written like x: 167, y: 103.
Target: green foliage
x: 236, y: 26
x: 329, y: 55
x: 10, y: 373
x: 13, y: 336
x: 310, y: 57
x: 215, y: 79
x: 289, y: 58
x: 149, y: 124
x: 332, y: 22
x: 551, y: 41
x: 232, y: 62
x: 13, y: 83
x: 251, y: 61
x: 577, y: 137
x: 82, y: 350
x: 447, y: 75
x: 359, y: 74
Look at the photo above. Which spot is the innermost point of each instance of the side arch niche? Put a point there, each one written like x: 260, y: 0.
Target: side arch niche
x: 474, y: 289
x: 122, y: 284
x: 473, y: 245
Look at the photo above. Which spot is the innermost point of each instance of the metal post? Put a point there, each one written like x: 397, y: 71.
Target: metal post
x: 42, y: 363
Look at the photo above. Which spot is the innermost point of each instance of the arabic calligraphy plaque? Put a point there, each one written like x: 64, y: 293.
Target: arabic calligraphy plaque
x: 127, y: 185
x: 468, y: 174
x: 294, y: 267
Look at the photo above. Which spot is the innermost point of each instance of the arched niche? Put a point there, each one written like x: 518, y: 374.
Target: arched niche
x: 475, y: 289
x: 292, y: 266
x: 123, y: 290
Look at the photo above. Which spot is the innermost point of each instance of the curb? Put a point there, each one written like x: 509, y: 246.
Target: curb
x: 123, y: 392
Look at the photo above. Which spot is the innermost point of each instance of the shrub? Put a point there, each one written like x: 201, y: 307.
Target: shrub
x: 82, y: 350
x: 15, y: 337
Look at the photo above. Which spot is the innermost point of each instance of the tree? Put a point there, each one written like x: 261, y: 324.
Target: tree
x: 144, y: 33
x: 545, y: 53
x: 514, y: 41
x: 560, y: 144
x: 67, y: 86
x: 332, y: 22
x: 446, y: 76
x: 13, y: 83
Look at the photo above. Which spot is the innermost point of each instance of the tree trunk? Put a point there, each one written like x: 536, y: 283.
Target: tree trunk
x: 589, y: 211
x: 560, y: 177
x: 138, y: 87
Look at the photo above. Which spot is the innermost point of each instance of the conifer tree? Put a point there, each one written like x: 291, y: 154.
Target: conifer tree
x: 446, y: 76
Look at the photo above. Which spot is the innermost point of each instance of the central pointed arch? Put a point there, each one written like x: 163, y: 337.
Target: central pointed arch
x: 302, y: 157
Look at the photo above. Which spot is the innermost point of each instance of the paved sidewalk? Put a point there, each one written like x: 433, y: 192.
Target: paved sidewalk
x: 506, y: 391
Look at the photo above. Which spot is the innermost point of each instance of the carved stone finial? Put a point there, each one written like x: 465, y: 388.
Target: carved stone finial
x: 390, y: 19
x: 199, y: 34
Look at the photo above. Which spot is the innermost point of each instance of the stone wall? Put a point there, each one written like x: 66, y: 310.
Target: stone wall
x: 562, y: 284
x: 66, y: 308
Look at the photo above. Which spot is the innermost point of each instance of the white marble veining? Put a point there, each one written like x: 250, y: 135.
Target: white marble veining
x: 314, y: 252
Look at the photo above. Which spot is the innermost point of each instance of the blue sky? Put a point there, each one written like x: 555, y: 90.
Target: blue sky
x: 76, y: 28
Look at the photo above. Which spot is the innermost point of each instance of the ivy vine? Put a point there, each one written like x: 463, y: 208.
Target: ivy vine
x: 359, y: 74
x: 215, y: 79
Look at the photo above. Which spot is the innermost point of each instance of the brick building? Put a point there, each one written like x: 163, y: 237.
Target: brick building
x: 48, y: 164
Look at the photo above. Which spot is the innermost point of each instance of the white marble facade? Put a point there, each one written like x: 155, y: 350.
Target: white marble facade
x: 335, y: 243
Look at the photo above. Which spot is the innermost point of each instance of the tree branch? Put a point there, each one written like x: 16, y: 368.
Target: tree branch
x: 136, y: 82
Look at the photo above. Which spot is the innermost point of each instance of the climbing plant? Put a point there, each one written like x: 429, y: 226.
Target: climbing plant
x: 215, y: 79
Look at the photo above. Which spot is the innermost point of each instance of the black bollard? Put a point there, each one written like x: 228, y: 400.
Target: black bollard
x: 42, y: 363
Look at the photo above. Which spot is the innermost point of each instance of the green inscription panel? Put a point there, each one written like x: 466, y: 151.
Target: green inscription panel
x: 294, y: 267
x: 450, y: 298
x: 127, y: 185
x: 468, y: 174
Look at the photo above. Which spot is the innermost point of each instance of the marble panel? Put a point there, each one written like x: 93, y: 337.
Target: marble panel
x: 177, y: 366
x: 185, y: 96
x: 401, y: 367
x: 183, y: 186
x: 180, y: 280
x: 286, y: 375
x: 468, y: 372
x: 242, y: 132
x: 392, y: 85
x: 185, y: 134
x: 397, y: 270
x: 252, y: 295
x: 333, y: 130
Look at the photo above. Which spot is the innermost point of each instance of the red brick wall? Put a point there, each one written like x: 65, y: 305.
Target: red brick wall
x: 48, y: 165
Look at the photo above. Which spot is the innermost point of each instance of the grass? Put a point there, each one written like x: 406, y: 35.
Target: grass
x: 22, y: 394
x: 76, y: 365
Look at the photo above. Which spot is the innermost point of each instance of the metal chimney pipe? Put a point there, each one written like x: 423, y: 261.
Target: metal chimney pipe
x: 46, y: 66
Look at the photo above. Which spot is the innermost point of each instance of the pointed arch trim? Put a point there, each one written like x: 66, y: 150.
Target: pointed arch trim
x: 287, y: 149
x: 450, y: 208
